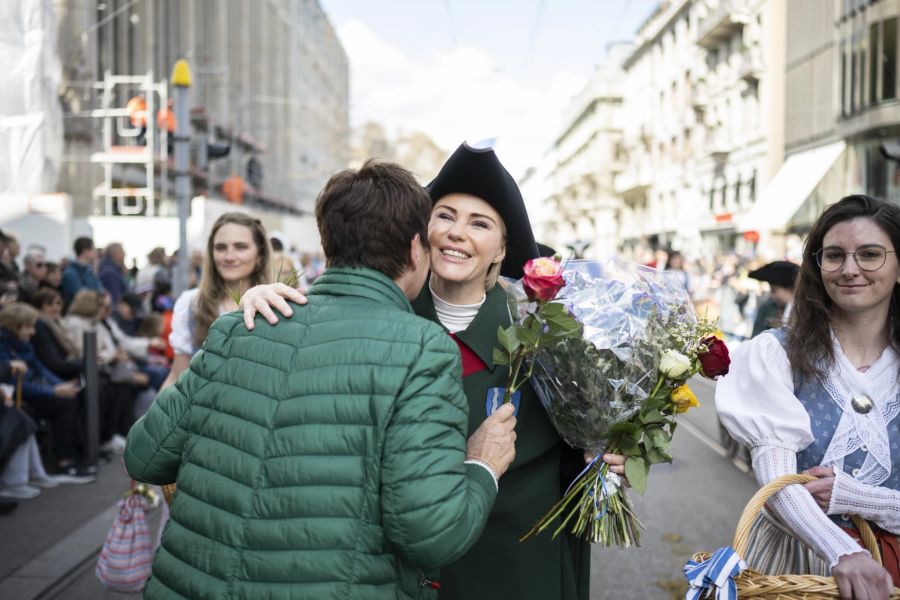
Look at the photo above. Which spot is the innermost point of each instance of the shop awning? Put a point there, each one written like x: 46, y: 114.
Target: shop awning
x: 792, y: 185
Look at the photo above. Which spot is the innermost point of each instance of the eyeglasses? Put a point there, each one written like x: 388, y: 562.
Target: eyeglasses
x: 869, y: 258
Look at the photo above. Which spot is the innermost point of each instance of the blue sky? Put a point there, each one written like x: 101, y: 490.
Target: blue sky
x: 466, y: 69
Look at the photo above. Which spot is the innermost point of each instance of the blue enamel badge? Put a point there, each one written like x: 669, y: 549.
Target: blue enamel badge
x: 495, y: 400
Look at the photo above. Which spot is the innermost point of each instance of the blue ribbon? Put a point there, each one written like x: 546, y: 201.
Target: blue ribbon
x: 597, y: 498
x: 717, y: 573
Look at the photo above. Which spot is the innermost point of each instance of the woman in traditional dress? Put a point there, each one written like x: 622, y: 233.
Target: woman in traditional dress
x: 822, y: 396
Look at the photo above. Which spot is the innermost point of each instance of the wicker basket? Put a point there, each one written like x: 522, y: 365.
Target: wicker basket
x: 751, y: 584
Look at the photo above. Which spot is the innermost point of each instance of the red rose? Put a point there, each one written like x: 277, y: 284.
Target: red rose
x: 543, y: 279
x: 715, y: 360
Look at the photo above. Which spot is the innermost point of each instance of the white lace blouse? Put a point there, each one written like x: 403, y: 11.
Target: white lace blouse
x: 756, y: 403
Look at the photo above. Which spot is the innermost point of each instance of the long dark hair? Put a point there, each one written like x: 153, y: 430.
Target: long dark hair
x: 809, y: 345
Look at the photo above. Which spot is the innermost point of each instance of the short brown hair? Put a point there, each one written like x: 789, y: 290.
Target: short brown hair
x: 17, y: 314
x: 87, y: 304
x: 44, y: 296
x: 367, y: 218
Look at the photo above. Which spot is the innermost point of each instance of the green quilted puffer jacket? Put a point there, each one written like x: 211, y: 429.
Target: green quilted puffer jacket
x: 321, y: 458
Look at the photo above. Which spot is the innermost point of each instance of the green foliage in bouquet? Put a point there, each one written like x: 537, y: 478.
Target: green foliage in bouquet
x: 595, y: 507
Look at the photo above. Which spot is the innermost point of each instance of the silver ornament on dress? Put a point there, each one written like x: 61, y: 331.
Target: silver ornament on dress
x: 861, y: 403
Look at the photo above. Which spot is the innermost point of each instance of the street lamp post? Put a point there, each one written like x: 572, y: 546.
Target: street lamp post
x: 181, y: 81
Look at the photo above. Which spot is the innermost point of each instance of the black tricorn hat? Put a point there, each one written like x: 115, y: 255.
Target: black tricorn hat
x: 780, y: 272
x: 546, y: 251
x: 479, y: 173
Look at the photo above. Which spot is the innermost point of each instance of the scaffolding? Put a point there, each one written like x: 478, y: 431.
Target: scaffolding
x: 117, y: 123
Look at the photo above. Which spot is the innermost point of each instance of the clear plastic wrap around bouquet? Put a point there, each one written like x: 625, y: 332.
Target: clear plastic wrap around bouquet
x: 612, y: 382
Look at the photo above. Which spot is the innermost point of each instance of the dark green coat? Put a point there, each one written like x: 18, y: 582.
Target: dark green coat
x: 499, y: 566
x: 321, y: 459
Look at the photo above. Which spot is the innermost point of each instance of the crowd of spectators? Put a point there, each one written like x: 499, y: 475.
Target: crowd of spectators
x: 45, y: 310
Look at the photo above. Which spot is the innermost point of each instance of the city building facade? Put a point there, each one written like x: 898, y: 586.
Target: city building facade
x: 270, y: 85
x: 574, y: 183
x: 698, y: 130
x: 704, y: 116
x: 841, y: 108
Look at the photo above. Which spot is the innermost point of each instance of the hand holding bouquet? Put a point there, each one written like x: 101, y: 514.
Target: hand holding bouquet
x: 613, y: 382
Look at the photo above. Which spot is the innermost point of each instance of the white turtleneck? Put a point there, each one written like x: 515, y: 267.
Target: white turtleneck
x: 455, y: 317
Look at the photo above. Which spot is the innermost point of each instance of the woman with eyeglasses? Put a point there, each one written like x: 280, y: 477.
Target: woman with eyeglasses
x: 821, y: 396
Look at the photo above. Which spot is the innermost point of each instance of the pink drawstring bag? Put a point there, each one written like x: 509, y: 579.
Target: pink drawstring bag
x: 127, y: 554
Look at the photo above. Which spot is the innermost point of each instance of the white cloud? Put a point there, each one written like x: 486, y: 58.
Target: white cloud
x: 454, y: 95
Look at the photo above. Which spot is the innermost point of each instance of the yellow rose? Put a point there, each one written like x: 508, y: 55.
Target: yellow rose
x: 683, y: 398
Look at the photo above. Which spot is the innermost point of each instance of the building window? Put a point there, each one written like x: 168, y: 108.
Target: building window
x: 712, y: 199
x: 844, y: 79
x: 873, y: 63
x: 862, y: 79
x: 752, y: 193
x: 738, y: 201
x: 852, y: 86
x: 724, y: 196
x: 889, y: 59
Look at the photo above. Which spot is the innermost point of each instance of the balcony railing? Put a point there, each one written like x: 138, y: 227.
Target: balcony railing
x: 721, y: 22
x: 752, y: 66
x: 699, y: 97
x: 635, y: 180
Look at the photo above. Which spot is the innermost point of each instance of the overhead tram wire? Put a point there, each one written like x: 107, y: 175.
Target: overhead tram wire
x: 529, y: 55
x: 450, y: 29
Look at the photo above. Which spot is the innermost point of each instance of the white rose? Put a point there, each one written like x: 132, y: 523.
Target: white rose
x: 674, y: 364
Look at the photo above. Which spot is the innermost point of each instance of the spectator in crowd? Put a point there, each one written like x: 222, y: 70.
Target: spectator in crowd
x: 136, y: 349
x: 282, y: 266
x: 161, y: 296
x: 52, y: 343
x: 152, y: 327
x: 46, y: 395
x: 9, y: 292
x: 53, y: 279
x: 113, y: 272
x: 238, y: 256
x: 13, y: 249
x: 79, y: 274
x: 126, y: 313
x: 156, y: 268
x: 675, y: 266
x: 773, y: 312
x: 118, y: 377
x: 195, y: 269
x: 23, y: 464
x: 6, y: 272
x: 34, y: 274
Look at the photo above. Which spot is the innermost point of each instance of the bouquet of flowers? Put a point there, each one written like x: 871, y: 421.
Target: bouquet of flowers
x: 609, y: 348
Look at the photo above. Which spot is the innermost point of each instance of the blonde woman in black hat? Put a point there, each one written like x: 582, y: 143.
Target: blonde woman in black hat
x: 822, y: 396
x: 479, y: 230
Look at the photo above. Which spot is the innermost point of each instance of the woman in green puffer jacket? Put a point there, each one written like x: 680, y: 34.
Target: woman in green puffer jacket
x: 326, y: 457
